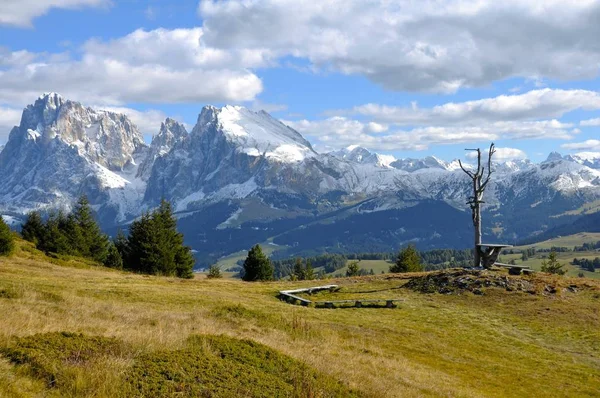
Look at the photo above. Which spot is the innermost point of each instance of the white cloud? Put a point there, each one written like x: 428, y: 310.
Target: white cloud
x: 159, y: 66
x: 258, y: 105
x: 339, y: 132
x: 590, y: 122
x: 589, y: 145
x: 422, y: 46
x: 535, y: 104
x: 21, y: 13
x: 9, y: 118
x: 502, y: 154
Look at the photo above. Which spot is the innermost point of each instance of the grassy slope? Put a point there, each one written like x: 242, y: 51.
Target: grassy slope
x: 502, y: 343
x: 564, y: 258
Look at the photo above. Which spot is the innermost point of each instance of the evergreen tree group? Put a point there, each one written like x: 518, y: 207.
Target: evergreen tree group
x: 303, y: 271
x: 154, y: 246
x: 7, y: 243
x: 257, y: 266
x: 408, y: 260
x: 76, y: 233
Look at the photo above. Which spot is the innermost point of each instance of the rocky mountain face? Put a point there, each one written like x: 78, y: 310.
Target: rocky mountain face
x: 62, y: 149
x: 241, y: 177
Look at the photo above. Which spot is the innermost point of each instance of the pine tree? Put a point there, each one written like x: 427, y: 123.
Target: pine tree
x: 155, y: 247
x: 141, y: 246
x: 309, y: 272
x: 257, y: 266
x: 53, y: 239
x: 408, y: 261
x: 33, y: 229
x: 92, y: 242
x: 353, y: 269
x: 298, y: 272
x: 552, y: 266
x: 7, y: 240
x: 122, y: 245
x: 113, y: 257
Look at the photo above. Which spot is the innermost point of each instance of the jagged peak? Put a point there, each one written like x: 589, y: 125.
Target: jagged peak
x: 554, y: 156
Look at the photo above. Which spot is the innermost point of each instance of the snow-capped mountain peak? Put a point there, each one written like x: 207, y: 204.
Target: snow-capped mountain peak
x: 589, y: 159
x: 358, y: 154
x: 255, y: 133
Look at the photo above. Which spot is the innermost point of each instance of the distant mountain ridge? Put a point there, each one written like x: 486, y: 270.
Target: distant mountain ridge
x: 241, y: 177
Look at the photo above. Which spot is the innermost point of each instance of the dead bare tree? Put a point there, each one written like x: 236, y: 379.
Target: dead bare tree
x: 480, y: 181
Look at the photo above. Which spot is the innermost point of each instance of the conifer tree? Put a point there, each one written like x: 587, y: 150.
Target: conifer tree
x: 7, y: 243
x: 309, y: 272
x: 113, y: 257
x: 92, y: 242
x: 408, y: 260
x: 155, y: 247
x: 353, y: 269
x: 122, y: 245
x: 299, y: 272
x: 33, y: 229
x: 552, y: 266
x: 257, y: 266
x: 53, y: 239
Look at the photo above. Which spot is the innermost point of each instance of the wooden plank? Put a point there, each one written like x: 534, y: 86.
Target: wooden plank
x: 512, y: 266
x: 494, y: 245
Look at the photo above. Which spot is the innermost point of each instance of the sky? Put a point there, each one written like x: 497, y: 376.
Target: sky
x: 407, y: 78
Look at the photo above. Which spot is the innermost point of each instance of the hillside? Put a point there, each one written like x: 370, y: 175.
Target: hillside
x: 431, y: 345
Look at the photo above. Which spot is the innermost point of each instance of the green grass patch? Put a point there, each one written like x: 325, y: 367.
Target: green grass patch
x: 220, y: 366
x: 57, y: 357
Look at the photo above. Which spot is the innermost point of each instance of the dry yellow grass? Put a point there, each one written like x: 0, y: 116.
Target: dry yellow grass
x: 499, y: 344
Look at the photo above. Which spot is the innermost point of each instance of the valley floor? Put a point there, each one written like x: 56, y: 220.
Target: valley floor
x: 501, y: 343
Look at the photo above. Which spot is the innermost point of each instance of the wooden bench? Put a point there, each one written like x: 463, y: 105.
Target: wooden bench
x: 491, y: 253
x: 514, y: 269
x: 389, y: 303
x: 290, y: 297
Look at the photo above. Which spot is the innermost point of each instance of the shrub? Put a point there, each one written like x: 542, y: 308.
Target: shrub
x: 50, y: 356
x: 219, y: 366
x: 214, y: 272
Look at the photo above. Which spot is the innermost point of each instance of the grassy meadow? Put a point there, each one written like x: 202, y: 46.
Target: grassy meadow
x: 72, y: 329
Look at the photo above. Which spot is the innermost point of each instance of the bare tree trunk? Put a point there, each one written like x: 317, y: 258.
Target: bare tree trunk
x: 477, y: 228
x: 475, y: 201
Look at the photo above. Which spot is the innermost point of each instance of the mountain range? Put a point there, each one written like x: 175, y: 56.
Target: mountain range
x: 240, y: 177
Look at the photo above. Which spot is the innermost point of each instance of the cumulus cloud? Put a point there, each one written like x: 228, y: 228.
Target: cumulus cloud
x: 258, y: 105
x: 588, y: 145
x: 339, y: 132
x: 417, y: 46
x: 159, y: 66
x: 21, y: 13
x: 502, y: 154
x: 535, y: 104
x: 9, y: 118
x: 590, y: 122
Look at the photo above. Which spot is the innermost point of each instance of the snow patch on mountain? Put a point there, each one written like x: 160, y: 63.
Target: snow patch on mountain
x: 258, y: 133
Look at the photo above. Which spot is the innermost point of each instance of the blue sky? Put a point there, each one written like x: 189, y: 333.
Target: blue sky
x: 403, y: 78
